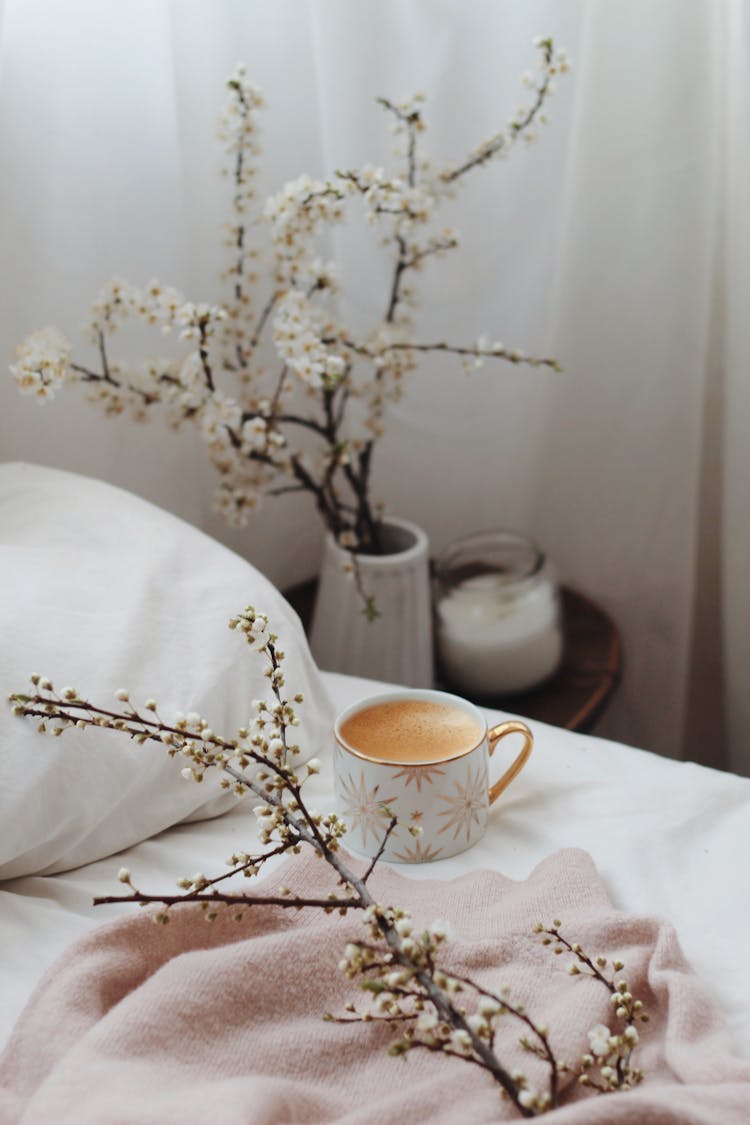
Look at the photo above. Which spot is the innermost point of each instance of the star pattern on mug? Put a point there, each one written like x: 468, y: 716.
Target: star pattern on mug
x: 420, y: 775
x: 365, y: 808
x: 466, y: 806
x: 417, y: 852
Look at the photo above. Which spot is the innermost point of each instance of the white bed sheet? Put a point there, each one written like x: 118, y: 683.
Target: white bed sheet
x: 669, y: 838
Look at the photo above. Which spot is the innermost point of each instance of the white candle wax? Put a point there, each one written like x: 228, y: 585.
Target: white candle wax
x: 497, y: 637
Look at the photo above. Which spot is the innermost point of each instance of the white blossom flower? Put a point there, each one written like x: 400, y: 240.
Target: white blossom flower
x: 426, y: 1021
x: 488, y: 1006
x: 195, y: 321
x: 255, y: 432
x: 298, y: 331
x: 42, y: 363
x: 191, y: 390
x: 116, y: 301
x: 441, y: 929
x: 218, y: 416
x: 238, y: 124
x: 599, y: 1040
x: 258, y: 639
x: 295, y: 215
x: 460, y: 1041
x: 482, y: 345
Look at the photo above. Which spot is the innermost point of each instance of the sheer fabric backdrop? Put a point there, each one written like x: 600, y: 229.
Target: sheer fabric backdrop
x: 619, y: 244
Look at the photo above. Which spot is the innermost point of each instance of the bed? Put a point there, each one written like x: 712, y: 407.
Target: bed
x: 668, y: 838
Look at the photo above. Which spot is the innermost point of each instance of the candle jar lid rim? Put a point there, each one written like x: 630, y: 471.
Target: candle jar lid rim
x: 457, y: 556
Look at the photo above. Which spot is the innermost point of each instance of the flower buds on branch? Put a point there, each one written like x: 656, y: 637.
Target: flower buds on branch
x: 404, y: 972
x: 309, y: 421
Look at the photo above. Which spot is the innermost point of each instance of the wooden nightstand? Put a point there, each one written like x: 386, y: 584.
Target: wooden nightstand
x: 578, y: 694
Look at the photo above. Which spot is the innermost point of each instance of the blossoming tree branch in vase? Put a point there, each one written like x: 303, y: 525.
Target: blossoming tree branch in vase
x: 310, y: 423
x: 405, y: 976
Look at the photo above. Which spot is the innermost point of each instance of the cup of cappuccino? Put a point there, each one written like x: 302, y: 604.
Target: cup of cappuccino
x: 421, y: 758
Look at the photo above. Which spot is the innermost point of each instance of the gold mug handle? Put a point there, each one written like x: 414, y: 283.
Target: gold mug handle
x: 513, y: 726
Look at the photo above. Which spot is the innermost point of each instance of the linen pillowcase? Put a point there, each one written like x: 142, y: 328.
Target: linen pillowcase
x: 101, y: 590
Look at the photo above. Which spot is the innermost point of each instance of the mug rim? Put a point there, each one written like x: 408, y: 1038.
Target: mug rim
x: 427, y: 695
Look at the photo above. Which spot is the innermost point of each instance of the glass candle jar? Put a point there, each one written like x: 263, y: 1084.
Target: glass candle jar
x: 497, y: 615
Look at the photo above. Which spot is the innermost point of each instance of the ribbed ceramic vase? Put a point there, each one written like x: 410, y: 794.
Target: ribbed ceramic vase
x: 397, y: 645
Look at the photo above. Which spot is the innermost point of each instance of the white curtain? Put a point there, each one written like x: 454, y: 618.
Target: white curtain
x: 618, y: 243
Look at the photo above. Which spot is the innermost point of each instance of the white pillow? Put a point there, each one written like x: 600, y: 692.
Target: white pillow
x: 101, y: 590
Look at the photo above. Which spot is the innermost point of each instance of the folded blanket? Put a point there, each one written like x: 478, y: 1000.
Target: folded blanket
x: 221, y: 1022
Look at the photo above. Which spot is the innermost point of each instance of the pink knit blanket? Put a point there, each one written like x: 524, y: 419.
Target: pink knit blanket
x: 200, y: 1022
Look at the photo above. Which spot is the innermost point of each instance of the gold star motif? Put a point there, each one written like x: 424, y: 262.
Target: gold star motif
x: 420, y: 775
x: 365, y: 808
x: 466, y: 806
x: 418, y: 852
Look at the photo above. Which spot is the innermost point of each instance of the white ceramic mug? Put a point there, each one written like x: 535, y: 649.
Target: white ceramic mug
x: 448, y: 797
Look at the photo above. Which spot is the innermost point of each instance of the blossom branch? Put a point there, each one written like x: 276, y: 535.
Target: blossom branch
x: 476, y: 351
x: 256, y: 435
x: 206, y: 749
x: 383, y: 844
x: 552, y: 63
x: 610, y: 1052
x: 496, y: 351
x: 103, y: 355
x: 402, y: 264
x: 411, y: 119
x: 89, y: 376
x: 203, y: 352
x: 228, y: 899
x: 439, y: 246
x: 263, y: 320
x: 400, y: 971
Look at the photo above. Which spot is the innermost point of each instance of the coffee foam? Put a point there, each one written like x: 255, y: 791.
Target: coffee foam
x: 411, y: 731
